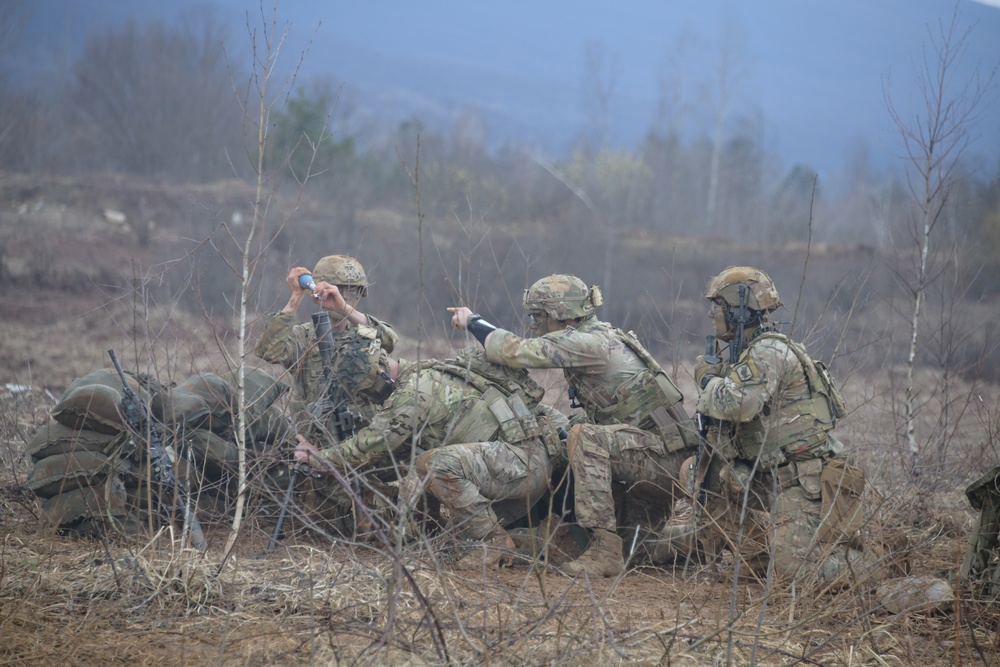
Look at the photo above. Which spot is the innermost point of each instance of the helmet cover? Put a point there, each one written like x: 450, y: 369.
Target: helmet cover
x: 563, y: 297
x: 341, y: 270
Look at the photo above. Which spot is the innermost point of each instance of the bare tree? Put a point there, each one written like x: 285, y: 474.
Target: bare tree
x: 155, y: 99
x: 731, y: 71
x: 600, y: 78
x: 934, y: 141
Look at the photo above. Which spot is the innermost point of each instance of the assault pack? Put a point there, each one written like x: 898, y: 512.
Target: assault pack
x: 91, y: 474
x: 981, y: 566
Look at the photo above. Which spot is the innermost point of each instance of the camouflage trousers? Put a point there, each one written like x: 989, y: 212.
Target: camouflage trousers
x: 623, y: 476
x: 805, y: 525
x: 485, y: 484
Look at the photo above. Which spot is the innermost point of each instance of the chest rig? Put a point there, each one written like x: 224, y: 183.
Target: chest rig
x: 794, y: 425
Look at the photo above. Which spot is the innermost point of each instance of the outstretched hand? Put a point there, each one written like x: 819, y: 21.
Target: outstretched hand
x: 459, y: 316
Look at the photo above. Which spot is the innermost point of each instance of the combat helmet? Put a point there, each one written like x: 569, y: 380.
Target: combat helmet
x: 342, y: 270
x: 563, y: 297
x: 761, y: 295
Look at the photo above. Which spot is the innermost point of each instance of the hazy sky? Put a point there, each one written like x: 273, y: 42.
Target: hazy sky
x: 808, y: 75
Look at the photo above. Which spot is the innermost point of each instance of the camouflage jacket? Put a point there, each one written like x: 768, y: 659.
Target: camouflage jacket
x: 609, y: 372
x: 768, y: 406
x: 293, y: 346
x: 433, y: 406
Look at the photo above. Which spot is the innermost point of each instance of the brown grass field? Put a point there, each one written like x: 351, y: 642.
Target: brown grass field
x: 64, y: 299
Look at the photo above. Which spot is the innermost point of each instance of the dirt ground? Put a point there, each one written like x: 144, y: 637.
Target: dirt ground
x: 147, y: 601
x: 144, y: 600
x: 84, y: 603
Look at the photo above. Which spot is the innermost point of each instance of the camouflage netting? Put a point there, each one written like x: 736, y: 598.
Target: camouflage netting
x: 91, y: 475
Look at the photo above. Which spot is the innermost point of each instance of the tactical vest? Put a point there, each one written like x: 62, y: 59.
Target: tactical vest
x: 650, y: 401
x: 361, y: 342
x: 500, y: 411
x: 796, y: 428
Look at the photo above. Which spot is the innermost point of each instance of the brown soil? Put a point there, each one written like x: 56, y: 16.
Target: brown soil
x: 145, y: 602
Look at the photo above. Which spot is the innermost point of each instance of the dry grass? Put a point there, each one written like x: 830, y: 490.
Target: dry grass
x: 316, y: 601
x: 145, y: 601
x: 80, y: 603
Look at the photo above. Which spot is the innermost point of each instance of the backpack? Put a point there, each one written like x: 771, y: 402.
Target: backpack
x: 981, y: 566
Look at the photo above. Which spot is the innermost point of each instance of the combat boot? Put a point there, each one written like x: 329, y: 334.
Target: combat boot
x: 552, y: 539
x: 496, y: 550
x: 603, y: 558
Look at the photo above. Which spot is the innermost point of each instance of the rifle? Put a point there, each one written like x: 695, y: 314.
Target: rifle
x: 136, y: 418
x: 700, y: 467
x: 701, y: 424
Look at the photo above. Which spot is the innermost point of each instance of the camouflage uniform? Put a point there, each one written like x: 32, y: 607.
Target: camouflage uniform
x: 293, y: 346
x: 771, y: 413
x: 358, y: 349
x: 505, y: 442
x: 639, y: 435
x: 773, y: 427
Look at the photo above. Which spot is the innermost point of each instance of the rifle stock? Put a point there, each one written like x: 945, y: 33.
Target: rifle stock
x: 136, y: 419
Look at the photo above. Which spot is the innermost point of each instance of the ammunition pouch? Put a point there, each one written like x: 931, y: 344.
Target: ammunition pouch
x: 494, y: 416
x: 805, y: 474
x: 843, y: 513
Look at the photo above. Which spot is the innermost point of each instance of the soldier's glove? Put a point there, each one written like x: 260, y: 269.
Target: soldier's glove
x: 704, y: 372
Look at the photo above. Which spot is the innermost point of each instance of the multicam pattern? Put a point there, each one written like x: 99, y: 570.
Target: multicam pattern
x: 594, y: 360
x: 767, y: 400
x: 623, y: 445
x: 293, y: 346
x: 763, y: 294
x: 432, y: 406
x: 562, y: 297
x: 341, y: 270
x: 417, y: 414
x: 485, y: 484
x: 768, y: 370
x: 482, y: 480
x: 647, y: 477
x: 773, y: 448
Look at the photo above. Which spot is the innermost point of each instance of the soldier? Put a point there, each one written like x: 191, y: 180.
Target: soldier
x: 340, y: 284
x: 637, y: 435
x: 360, y: 359
x: 508, y: 443
x: 778, y: 489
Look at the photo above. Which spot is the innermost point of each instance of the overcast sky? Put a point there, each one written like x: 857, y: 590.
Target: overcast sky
x: 809, y: 74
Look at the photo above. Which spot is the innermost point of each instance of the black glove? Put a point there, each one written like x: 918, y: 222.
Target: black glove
x: 704, y: 372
